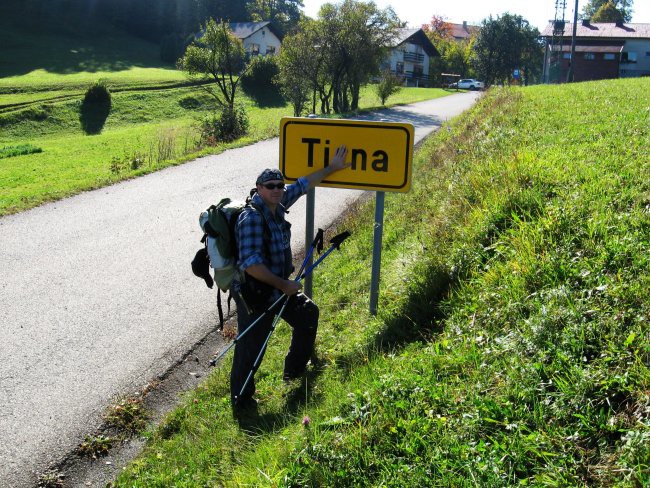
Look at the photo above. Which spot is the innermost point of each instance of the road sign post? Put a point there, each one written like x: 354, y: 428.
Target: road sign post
x: 309, y: 237
x: 381, y: 157
x: 376, y: 252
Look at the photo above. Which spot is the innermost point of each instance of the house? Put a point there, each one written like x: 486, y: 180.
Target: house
x: 259, y: 38
x: 410, y: 56
x: 462, y: 32
x: 602, y: 50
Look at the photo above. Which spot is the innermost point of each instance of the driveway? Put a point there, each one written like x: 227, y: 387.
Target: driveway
x: 97, y: 297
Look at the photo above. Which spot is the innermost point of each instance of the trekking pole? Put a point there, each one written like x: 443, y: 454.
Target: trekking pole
x: 336, y: 242
x: 263, y: 348
x: 317, y: 244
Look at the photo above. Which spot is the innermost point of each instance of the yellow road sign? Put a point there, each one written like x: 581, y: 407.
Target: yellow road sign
x: 381, y: 153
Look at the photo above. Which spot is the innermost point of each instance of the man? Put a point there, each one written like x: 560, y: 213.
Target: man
x: 265, y: 263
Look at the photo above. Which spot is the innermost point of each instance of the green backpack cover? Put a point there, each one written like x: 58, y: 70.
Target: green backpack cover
x: 218, y: 224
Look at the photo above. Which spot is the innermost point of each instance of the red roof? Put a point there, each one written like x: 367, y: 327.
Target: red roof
x: 463, y: 31
x: 604, y: 30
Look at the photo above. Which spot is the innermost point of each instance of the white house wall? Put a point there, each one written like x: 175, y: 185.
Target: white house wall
x: 397, y: 56
x: 642, y: 66
x: 264, y: 38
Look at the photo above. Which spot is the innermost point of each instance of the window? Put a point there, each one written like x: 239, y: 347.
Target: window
x: 609, y: 56
x: 254, y: 49
x: 590, y: 56
x: 628, y: 57
x: 399, y: 67
x: 270, y: 50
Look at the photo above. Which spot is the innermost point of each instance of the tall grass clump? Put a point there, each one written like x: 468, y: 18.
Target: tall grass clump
x: 511, y: 346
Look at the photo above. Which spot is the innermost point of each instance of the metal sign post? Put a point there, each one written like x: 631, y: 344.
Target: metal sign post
x: 376, y: 252
x: 309, y: 237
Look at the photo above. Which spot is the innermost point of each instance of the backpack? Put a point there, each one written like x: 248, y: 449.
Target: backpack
x: 220, y: 246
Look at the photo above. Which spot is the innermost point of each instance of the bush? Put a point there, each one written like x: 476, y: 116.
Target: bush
x: 95, y: 108
x: 259, y: 78
x: 388, y: 85
x: 98, y: 93
x: 225, y: 127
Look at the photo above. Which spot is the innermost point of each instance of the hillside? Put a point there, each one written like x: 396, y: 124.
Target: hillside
x: 66, y: 49
x: 512, y: 343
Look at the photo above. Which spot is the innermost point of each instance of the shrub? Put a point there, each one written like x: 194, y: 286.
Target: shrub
x: 388, y: 85
x: 229, y: 125
x: 98, y: 93
x: 259, y: 78
x: 95, y: 108
x: 189, y: 103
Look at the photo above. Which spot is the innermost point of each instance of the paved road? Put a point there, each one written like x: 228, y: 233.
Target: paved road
x: 97, y: 297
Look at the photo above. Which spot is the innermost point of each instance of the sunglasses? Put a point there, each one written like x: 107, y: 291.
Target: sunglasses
x: 273, y: 186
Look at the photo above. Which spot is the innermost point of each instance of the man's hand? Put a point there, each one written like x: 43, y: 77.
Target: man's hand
x: 290, y: 287
x: 338, y: 161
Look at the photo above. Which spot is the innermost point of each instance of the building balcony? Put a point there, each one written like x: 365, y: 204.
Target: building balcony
x: 413, y: 79
x: 410, y: 75
x: 413, y: 57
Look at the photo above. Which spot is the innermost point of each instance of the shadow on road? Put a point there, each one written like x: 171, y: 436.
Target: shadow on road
x: 401, y: 116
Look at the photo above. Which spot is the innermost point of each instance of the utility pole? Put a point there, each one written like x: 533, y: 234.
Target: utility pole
x: 569, y: 75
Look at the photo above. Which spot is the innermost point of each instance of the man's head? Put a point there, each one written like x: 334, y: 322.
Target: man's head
x: 270, y: 186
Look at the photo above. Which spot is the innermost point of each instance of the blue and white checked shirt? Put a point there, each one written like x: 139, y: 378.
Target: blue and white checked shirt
x: 250, y: 232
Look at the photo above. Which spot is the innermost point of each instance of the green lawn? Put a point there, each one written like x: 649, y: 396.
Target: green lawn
x: 44, y: 73
x: 512, y: 343
x: 139, y: 123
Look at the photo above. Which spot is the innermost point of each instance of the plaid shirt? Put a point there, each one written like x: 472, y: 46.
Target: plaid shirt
x: 250, y: 231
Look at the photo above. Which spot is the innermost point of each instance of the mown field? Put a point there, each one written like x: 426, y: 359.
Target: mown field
x: 512, y: 343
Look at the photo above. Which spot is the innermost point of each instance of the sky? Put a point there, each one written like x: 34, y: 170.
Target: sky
x: 537, y: 12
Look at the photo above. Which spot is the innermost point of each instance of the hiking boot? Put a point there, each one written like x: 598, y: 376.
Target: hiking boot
x: 244, y: 406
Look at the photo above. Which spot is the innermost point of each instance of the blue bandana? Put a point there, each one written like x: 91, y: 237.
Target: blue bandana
x: 269, y: 175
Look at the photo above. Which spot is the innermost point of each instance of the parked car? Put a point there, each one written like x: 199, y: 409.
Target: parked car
x: 470, y: 84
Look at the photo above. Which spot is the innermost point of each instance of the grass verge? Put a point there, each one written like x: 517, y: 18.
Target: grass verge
x: 512, y: 343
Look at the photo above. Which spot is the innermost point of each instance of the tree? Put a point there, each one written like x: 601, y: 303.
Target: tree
x: 388, y: 85
x: 608, y: 13
x: 284, y: 14
x: 503, y: 44
x: 356, y: 40
x: 454, y: 55
x: 218, y: 57
x: 301, y: 62
x: 592, y: 6
x: 438, y: 29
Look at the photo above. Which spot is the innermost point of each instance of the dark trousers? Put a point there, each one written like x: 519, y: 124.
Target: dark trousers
x: 300, y: 313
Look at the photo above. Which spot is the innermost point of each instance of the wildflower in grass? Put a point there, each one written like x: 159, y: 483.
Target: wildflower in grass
x: 306, y: 421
